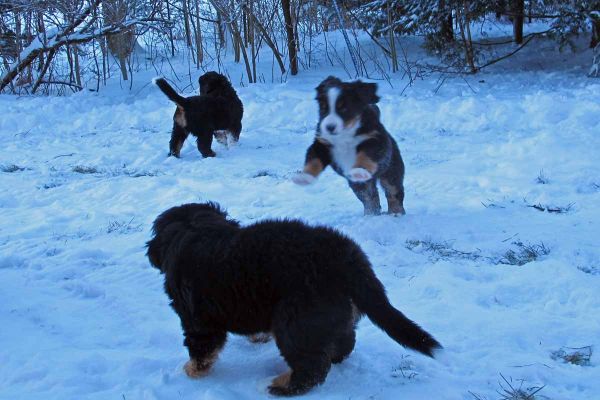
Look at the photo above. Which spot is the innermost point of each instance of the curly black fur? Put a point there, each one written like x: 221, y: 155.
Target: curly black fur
x: 216, y: 109
x: 306, y: 285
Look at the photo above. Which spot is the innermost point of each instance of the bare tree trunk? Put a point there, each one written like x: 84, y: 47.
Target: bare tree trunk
x: 76, y: 65
x: 237, y: 42
x: 238, y: 37
x: 595, y: 31
x: 267, y: 38
x: 500, y: 8
x: 518, y: 10
x: 70, y: 61
x: 463, y: 18
x: 198, y: 36
x: 252, y: 42
x: 123, y: 66
x: 186, y: 22
x: 43, y: 71
x: 446, y: 30
x: 393, y: 53
x: 289, y: 30
x: 170, y: 30
x: 245, y: 23
x: 42, y: 31
x: 220, y: 29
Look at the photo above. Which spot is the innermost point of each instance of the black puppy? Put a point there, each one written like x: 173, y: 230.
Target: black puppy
x: 217, y: 109
x: 306, y: 285
x: 353, y: 141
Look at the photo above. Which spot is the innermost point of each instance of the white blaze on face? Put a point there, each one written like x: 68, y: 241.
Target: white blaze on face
x: 342, y: 139
x: 332, y: 121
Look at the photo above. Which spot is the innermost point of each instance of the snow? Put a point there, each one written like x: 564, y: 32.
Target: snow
x: 84, y: 315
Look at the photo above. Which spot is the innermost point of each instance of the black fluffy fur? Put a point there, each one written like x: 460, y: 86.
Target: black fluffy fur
x: 303, y: 284
x: 216, y: 109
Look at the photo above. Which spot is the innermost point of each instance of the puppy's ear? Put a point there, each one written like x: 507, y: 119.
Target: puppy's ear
x: 366, y: 91
x: 154, y: 253
x: 327, y: 82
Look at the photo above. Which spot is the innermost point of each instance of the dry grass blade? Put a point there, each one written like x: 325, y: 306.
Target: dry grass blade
x: 509, y: 392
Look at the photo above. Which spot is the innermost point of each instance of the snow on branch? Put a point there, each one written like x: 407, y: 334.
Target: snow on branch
x: 55, y: 38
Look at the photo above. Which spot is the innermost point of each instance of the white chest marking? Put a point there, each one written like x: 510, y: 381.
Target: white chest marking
x: 343, y: 140
x: 343, y: 151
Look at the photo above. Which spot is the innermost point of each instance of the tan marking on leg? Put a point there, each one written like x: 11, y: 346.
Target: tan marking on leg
x: 282, y: 381
x: 199, y: 368
x: 261, y: 337
x: 394, y: 206
x: 371, y: 134
x: 365, y: 162
x: 180, y: 117
x: 313, y: 167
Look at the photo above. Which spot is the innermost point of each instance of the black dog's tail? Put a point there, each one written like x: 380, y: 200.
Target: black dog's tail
x: 368, y: 294
x: 169, y: 91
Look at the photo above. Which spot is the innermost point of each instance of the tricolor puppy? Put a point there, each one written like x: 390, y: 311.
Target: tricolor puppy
x: 306, y: 285
x: 353, y: 141
x: 217, y: 112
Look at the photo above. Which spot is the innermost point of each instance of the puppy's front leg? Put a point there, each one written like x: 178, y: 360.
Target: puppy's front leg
x: 203, y: 348
x: 365, y: 165
x: 318, y: 157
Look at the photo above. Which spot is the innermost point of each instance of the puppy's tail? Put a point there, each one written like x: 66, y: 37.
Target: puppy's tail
x: 368, y: 294
x: 169, y: 91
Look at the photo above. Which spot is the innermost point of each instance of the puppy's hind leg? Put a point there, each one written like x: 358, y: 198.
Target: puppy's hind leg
x: 394, y: 192
x: 203, y: 348
x: 310, y: 335
x: 178, y: 136
x: 343, y: 346
x: 309, y: 366
x: 393, y: 184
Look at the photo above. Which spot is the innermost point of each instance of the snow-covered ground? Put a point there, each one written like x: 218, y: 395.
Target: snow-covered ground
x: 84, y: 316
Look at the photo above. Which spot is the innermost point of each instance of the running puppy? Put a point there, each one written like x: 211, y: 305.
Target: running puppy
x: 353, y: 141
x: 306, y: 285
x: 216, y: 111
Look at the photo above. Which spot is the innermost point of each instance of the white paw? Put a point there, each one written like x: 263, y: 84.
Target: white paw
x: 221, y: 137
x: 303, y: 179
x: 359, y: 175
x: 231, y: 141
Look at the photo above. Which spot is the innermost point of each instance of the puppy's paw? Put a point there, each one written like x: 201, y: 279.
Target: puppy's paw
x: 221, y: 137
x: 396, y: 210
x: 209, y: 154
x: 280, y: 385
x: 231, y: 139
x: 303, y: 179
x: 194, y: 370
x: 359, y: 175
x: 172, y: 153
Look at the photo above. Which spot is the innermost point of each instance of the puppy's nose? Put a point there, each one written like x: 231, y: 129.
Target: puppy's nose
x: 330, y: 127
